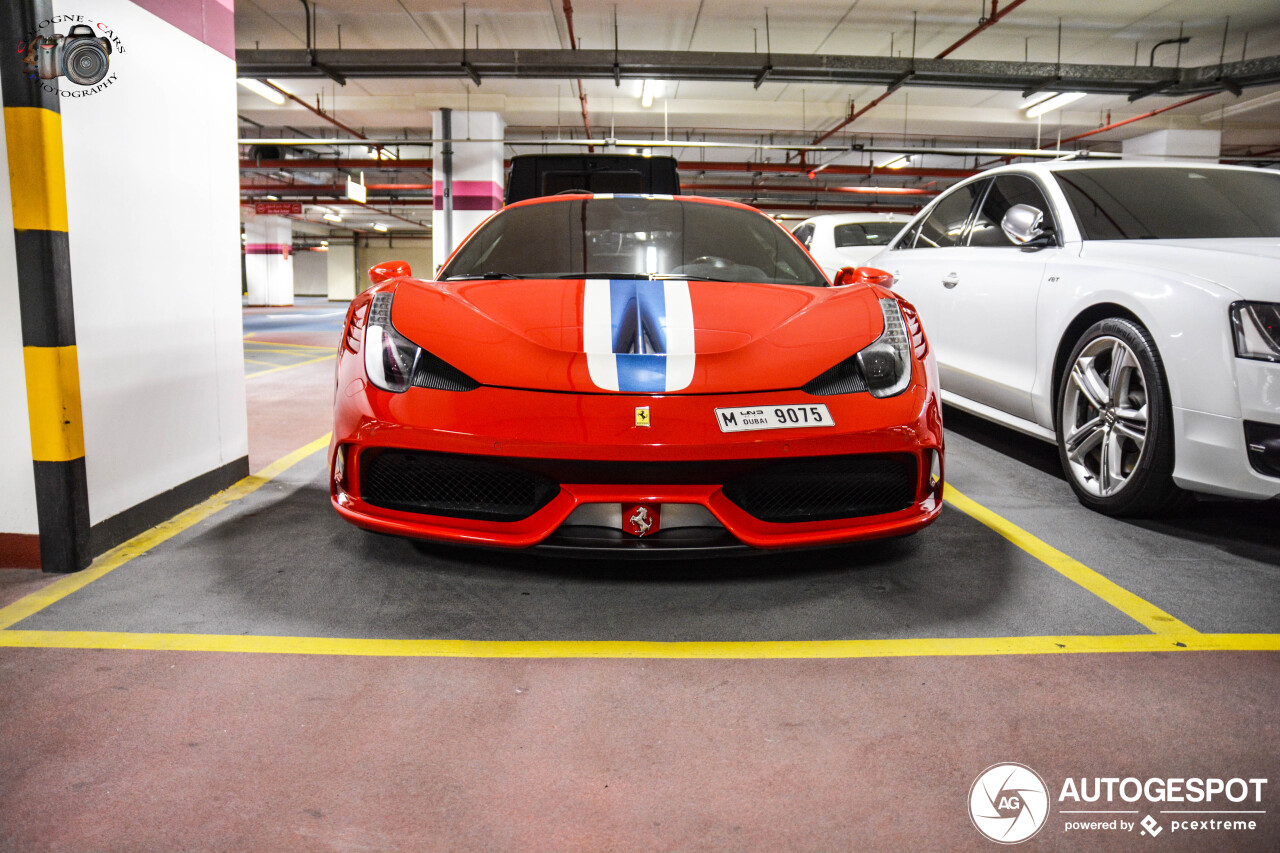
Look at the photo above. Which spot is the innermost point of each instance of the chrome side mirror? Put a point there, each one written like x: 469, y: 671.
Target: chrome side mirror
x: 1022, y: 223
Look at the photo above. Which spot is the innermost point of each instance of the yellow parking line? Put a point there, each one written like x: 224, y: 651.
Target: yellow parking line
x: 255, y: 361
x: 144, y: 542
x: 1138, y: 609
x: 287, y: 366
x: 283, y: 344
x: 799, y: 649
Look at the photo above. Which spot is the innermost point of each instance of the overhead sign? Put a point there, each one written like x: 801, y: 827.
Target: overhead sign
x: 277, y: 208
x: 355, y: 191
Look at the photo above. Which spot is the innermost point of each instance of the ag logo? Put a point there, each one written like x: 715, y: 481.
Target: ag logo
x: 1008, y: 803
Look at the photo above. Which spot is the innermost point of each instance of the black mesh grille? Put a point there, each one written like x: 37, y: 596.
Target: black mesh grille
x: 844, y: 378
x: 507, y: 489
x: 826, y: 488
x: 451, y: 485
x: 432, y: 372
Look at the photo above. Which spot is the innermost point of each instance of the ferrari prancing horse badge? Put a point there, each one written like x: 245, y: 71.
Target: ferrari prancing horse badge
x: 642, y: 416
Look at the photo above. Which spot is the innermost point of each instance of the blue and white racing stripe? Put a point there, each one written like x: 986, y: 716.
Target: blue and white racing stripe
x: 638, y: 335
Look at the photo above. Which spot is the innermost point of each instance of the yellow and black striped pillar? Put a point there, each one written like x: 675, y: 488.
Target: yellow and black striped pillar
x: 37, y: 184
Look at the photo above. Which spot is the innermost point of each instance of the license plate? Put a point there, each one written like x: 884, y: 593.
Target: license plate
x: 772, y: 417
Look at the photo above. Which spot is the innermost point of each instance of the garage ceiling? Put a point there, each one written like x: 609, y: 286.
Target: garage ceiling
x: 775, y: 112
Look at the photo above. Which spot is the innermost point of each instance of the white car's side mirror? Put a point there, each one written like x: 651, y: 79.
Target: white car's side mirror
x: 1022, y: 224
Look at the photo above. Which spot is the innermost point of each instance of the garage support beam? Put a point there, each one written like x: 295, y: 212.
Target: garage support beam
x: 33, y: 135
x: 746, y: 67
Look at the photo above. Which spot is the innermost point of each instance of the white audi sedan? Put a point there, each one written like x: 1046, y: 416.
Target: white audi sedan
x: 1128, y: 311
x: 838, y: 240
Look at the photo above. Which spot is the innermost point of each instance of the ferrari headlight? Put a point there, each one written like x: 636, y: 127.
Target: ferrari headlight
x: 886, y: 362
x: 388, y: 355
x: 1257, y: 330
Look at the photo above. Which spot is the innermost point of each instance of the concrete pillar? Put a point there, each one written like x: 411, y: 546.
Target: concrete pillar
x: 477, y: 177
x: 342, y: 273
x: 1175, y: 143
x: 268, y: 260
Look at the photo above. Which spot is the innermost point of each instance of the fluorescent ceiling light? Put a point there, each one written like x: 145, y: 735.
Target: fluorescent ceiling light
x: 260, y: 88
x: 648, y: 91
x: 897, y: 162
x: 1058, y: 101
x: 378, y: 226
x: 332, y: 217
x: 272, y: 198
x: 324, y: 242
x: 1037, y: 98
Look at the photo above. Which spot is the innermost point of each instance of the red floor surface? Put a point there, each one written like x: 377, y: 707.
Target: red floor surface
x: 194, y: 751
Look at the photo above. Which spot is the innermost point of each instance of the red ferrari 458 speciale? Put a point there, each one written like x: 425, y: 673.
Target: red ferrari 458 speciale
x: 634, y: 374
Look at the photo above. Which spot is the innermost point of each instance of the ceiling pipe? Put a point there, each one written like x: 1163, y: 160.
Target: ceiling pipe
x: 1116, y: 124
x: 324, y: 115
x: 983, y: 25
x: 802, y: 188
x: 582, y: 95
x: 684, y: 166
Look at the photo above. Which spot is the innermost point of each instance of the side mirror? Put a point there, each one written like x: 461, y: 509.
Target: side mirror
x: 863, y: 275
x: 1023, y: 223
x: 389, y: 270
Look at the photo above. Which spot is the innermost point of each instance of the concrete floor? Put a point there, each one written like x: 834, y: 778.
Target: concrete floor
x: 270, y: 678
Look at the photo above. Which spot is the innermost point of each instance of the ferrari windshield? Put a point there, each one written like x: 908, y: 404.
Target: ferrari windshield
x: 1172, y: 202
x: 633, y: 237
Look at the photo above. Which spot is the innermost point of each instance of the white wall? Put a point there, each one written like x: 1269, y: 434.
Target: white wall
x: 268, y: 262
x: 310, y: 273
x: 152, y: 196
x: 17, y: 482
x: 418, y: 254
x: 1175, y: 143
x: 342, y: 273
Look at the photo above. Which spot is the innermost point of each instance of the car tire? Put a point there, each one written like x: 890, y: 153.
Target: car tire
x: 1115, y: 422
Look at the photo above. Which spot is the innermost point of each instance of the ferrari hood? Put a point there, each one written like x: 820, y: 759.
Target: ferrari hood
x: 637, y: 336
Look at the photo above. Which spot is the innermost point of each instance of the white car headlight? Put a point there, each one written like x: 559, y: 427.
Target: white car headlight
x: 886, y: 362
x: 1257, y: 330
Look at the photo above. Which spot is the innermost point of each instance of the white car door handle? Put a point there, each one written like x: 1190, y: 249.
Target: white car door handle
x: 950, y: 280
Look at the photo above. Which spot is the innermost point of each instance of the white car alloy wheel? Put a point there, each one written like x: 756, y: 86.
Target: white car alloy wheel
x: 1104, y: 415
x: 1115, y: 424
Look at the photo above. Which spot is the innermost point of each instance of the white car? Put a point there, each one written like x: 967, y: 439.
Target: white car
x: 840, y: 240
x: 1128, y: 311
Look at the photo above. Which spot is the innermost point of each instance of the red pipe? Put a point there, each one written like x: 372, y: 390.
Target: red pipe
x: 995, y: 16
x: 344, y: 163
x: 324, y: 115
x: 329, y: 188
x: 684, y: 165
x: 796, y: 168
x: 582, y: 95
x: 764, y: 188
x: 1116, y: 124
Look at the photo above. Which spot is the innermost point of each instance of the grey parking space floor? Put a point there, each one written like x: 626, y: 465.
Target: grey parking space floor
x: 1013, y: 565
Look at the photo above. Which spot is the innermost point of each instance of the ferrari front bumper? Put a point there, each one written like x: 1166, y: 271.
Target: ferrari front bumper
x: 582, y: 453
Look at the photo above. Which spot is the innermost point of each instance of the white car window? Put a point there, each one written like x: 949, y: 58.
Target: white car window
x: 805, y: 235
x: 1005, y: 192
x: 945, y: 226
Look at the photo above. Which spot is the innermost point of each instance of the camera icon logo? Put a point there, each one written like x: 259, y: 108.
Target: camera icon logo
x: 1008, y: 803
x: 80, y: 56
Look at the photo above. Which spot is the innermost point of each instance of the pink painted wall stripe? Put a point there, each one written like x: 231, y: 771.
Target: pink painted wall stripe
x: 470, y: 195
x: 266, y: 248
x: 211, y: 21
